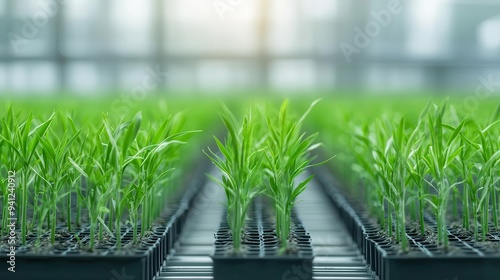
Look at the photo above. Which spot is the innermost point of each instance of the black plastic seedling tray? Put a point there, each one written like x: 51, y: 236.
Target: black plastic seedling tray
x: 425, y: 260
x: 259, y: 257
x: 138, y: 262
x: 141, y: 261
x: 464, y: 260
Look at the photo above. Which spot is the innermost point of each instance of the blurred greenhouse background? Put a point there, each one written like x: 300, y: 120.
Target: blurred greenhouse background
x: 87, y: 47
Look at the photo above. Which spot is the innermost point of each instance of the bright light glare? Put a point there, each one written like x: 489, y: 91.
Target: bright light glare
x: 131, y: 11
x: 428, y: 24
x: 488, y: 35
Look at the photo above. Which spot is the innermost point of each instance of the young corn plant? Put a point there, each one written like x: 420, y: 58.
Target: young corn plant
x: 23, y: 139
x: 240, y: 162
x: 483, y: 193
x: 442, y: 152
x: 361, y: 147
x: 464, y: 167
x: 414, y: 151
x: 153, y: 160
x: 95, y: 191
x: 405, y: 165
x: 385, y: 159
x: 119, y: 141
x: 287, y: 157
x: 440, y: 163
x: 382, y: 160
x: 103, y: 171
x: 54, y: 173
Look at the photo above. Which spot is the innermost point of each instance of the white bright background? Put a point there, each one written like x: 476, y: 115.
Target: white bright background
x: 90, y: 46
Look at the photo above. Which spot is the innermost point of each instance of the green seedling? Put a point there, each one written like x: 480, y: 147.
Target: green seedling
x: 287, y: 157
x: 240, y: 164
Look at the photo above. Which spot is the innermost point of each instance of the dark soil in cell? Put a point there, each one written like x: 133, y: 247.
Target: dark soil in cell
x: 260, y: 256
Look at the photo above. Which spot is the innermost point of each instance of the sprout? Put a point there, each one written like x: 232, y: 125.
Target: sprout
x: 287, y: 157
x: 411, y: 167
x: 240, y: 162
x: 109, y: 171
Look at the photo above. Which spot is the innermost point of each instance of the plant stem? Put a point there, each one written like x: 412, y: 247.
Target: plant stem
x: 24, y: 206
x: 237, y: 227
x: 465, y: 209
x: 53, y: 219
x: 402, y: 222
x: 389, y: 220
x: 285, y: 230
x: 455, y: 204
x: 495, y: 209
x: 92, y: 233
x: 68, y: 208
x: 484, y: 218
x: 134, y: 226
x: 421, y: 205
x: 475, y: 219
x: 118, y: 233
x: 100, y: 232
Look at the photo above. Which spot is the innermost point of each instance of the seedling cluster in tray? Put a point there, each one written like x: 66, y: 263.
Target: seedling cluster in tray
x: 89, y: 193
x: 264, y: 155
x: 420, y: 193
x: 260, y: 256
x: 423, y: 192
